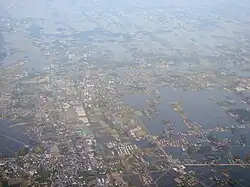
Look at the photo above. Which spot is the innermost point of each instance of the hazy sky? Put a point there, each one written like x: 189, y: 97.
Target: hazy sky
x: 43, y: 8
x: 190, y: 26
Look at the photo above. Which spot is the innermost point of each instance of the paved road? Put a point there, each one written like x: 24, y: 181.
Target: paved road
x: 216, y: 164
x: 150, y: 172
x: 170, y: 159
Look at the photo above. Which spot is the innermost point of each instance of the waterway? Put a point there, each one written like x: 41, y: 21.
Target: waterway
x: 199, y: 106
x: 11, y: 137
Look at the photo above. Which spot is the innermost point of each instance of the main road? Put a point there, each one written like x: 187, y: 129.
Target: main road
x: 150, y: 136
x: 216, y: 164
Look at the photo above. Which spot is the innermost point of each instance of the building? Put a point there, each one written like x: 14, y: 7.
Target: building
x: 11, y: 183
x: 54, y: 150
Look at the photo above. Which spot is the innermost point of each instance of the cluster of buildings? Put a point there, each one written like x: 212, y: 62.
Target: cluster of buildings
x: 83, y: 134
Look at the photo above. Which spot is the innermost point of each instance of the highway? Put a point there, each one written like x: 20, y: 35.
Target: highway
x: 166, y: 170
x: 170, y: 159
x: 216, y: 164
x: 150, y: 172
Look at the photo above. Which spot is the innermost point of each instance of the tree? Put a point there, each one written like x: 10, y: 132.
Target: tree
x: 43, y: 175
x: 23, y: 151
x: 38, y: 150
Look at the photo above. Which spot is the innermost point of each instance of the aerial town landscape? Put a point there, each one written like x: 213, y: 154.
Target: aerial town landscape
x: 124, y: 93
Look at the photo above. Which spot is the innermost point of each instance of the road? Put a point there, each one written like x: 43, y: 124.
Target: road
x: 216, y: 164
x: 132, y: 174
x: 170, y: 159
